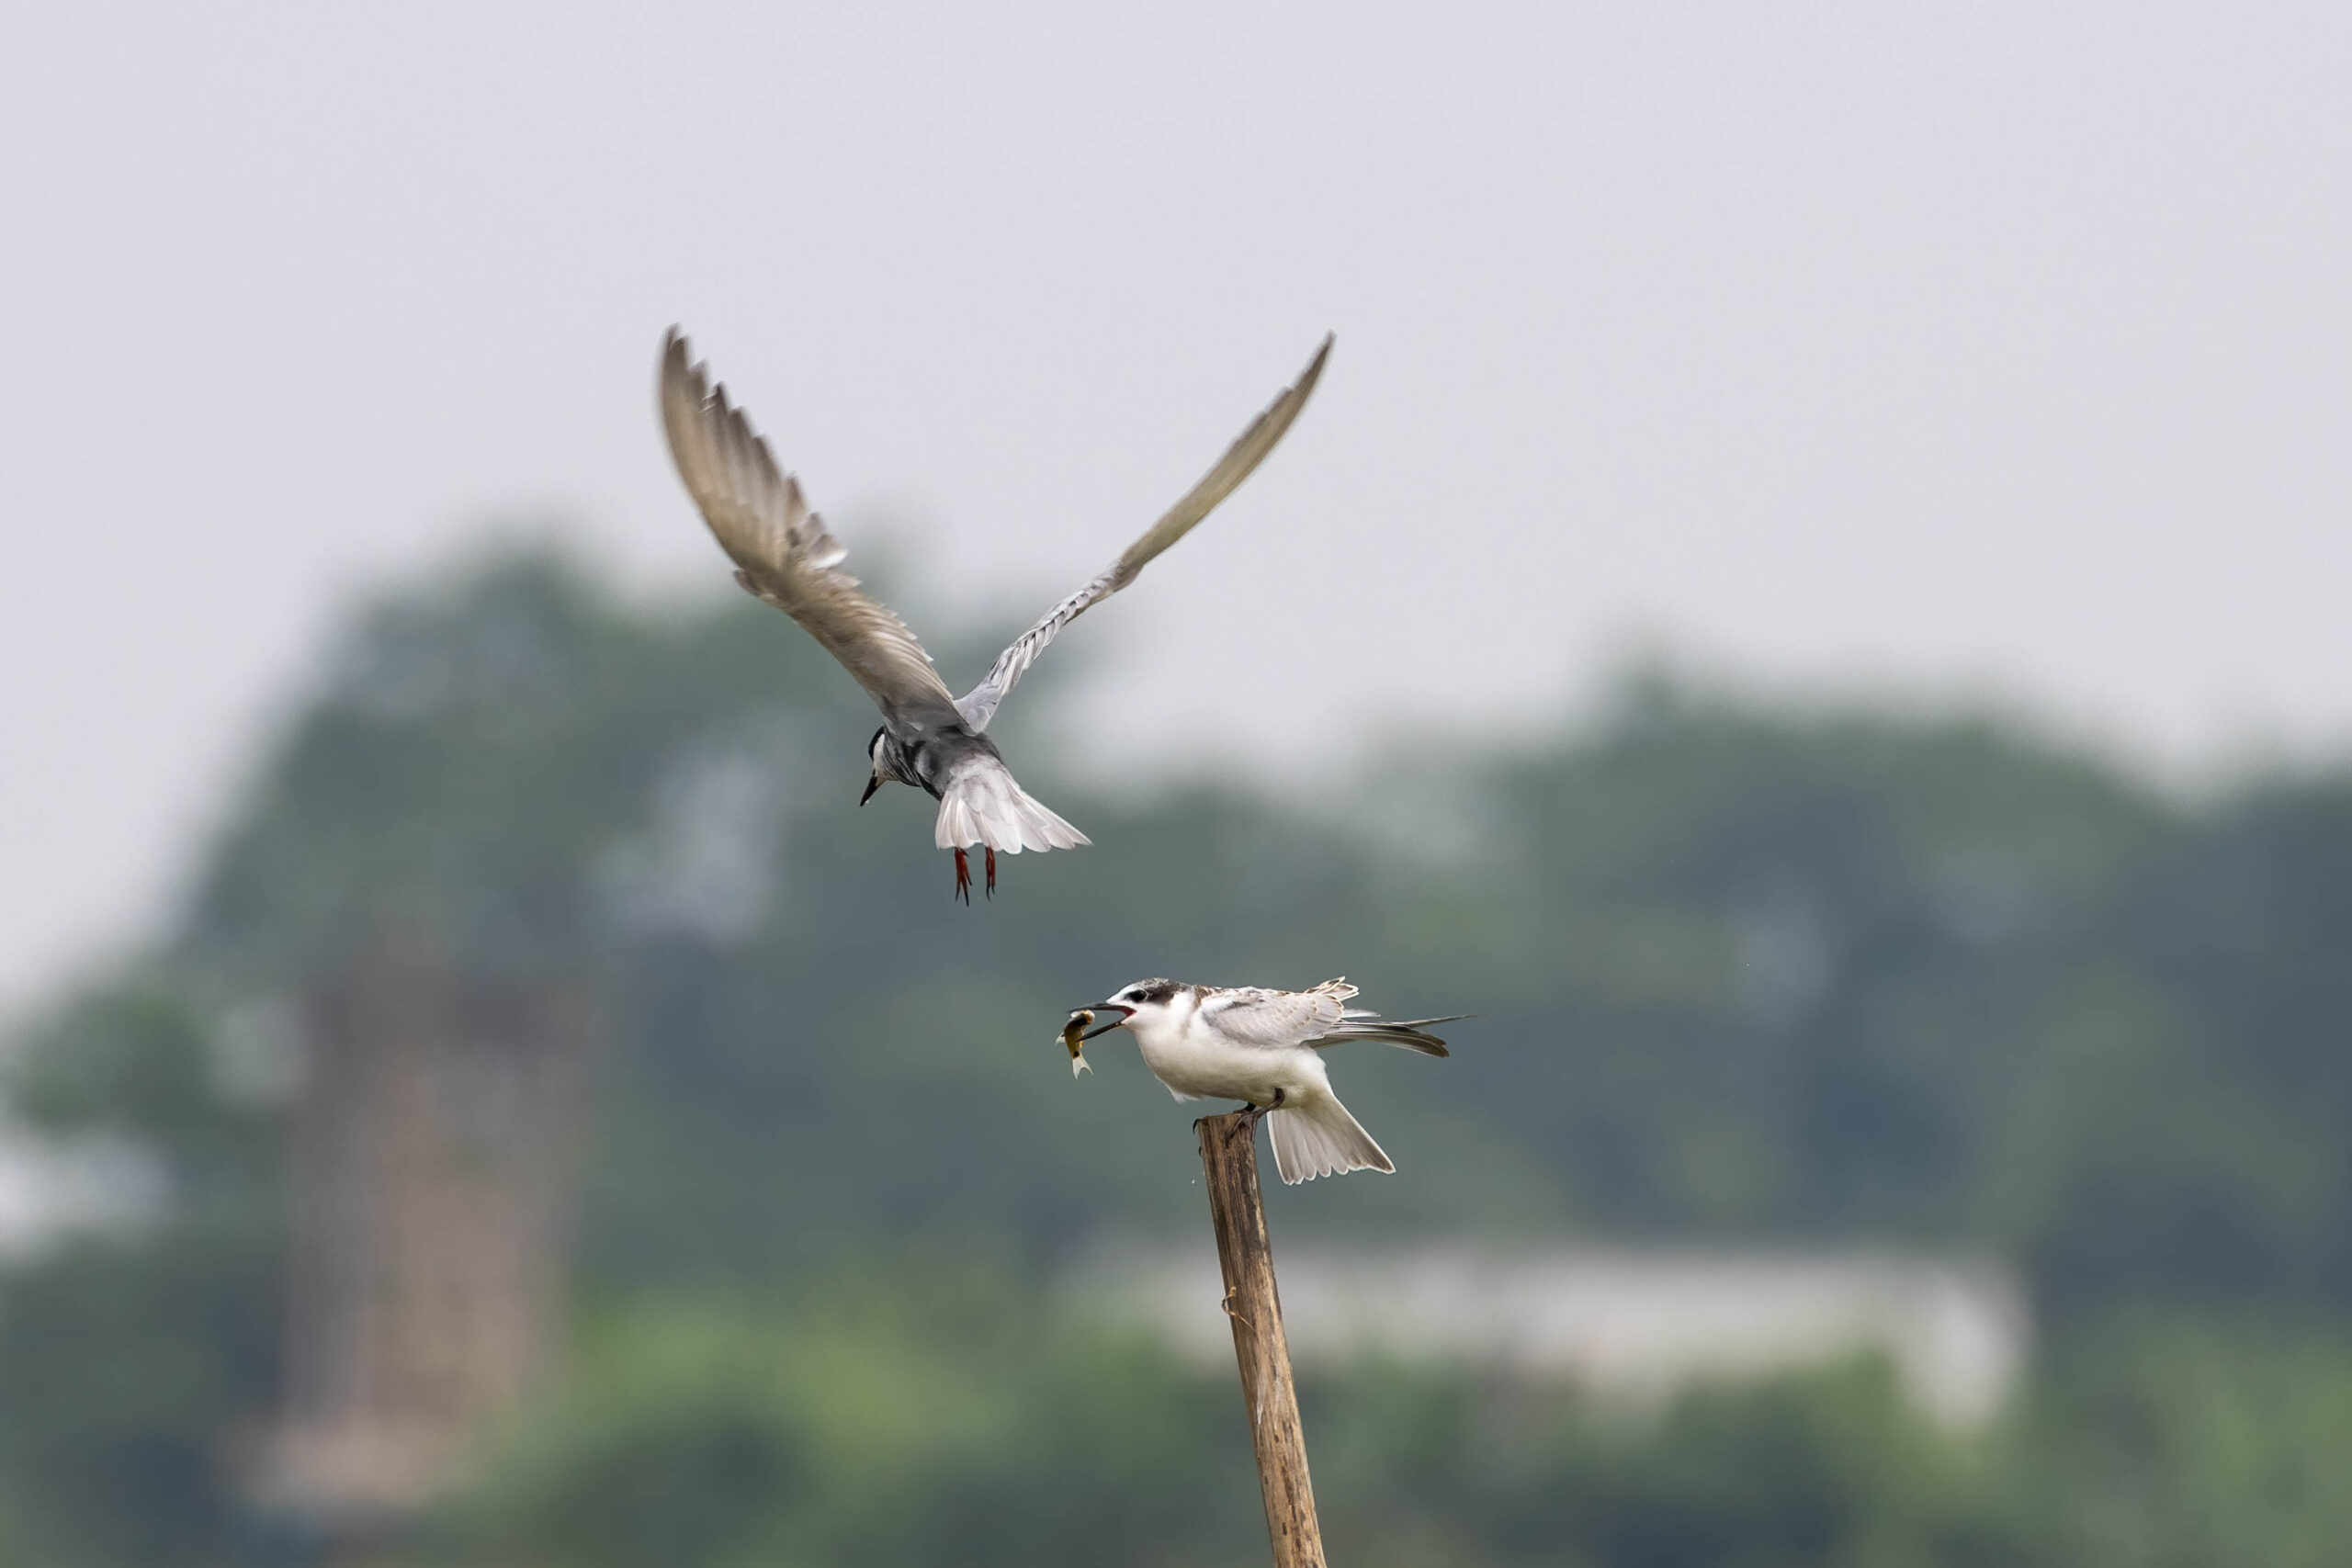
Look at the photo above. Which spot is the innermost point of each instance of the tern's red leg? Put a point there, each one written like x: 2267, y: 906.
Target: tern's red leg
x: 991, y: 874
x: 963, y: 877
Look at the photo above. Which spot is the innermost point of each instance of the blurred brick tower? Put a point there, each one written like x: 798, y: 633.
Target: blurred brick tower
x: 435, y: 1149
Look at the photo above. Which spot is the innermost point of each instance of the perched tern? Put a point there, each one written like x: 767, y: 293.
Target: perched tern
x: 1260, y: 1047
x: 930, y: 738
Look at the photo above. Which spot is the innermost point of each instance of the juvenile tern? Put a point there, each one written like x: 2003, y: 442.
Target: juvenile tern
x: 930, y: 738
x: 1260, y: 1047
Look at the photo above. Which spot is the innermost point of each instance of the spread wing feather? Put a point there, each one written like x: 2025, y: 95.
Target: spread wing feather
x: 783, y: 552
x: 978, y: 704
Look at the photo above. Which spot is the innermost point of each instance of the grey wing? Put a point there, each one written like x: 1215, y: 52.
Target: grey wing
x: 978, y: 704
x: 1248, y: 1016
x: 1412, y: 1033
x: 783, y: 552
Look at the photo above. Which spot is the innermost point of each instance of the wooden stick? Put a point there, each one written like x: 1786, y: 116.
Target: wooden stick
x: 1229, y: 1158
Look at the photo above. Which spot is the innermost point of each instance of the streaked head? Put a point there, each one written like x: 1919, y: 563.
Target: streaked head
x: 1145, y: 999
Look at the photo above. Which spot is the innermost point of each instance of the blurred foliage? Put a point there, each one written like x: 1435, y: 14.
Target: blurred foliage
x: 129, y: 1365
x: 1740, y: 974
x: 2172, y: 1440
x: 932, y: 1423
x: 921, y: 1422
x: 927, y: 1426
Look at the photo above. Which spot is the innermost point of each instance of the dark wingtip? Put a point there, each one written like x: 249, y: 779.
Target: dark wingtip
x: 1313, y: 371
x: 1454, y: 1017
x: 675, y: 373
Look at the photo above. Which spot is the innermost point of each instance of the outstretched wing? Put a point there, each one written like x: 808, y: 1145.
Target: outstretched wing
x: 1250, y: 1016
x: 978, y: 704
x: 783, y: 552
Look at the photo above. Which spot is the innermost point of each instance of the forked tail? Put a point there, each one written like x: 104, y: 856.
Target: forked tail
x: 1319, y: 1138
x: 983, y: 804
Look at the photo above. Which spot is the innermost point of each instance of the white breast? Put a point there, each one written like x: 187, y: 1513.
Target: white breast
x: 1195, y: 1063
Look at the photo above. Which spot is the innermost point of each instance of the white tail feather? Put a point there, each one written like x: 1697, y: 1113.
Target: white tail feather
x: 1320, y: 1139
x: 983, y: 806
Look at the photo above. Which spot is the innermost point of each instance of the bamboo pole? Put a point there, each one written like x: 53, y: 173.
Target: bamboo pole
x: 1230, y: 1159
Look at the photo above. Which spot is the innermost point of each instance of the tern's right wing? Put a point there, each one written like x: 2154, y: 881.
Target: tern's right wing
x: 978, y: 704
x: 1246, y: 1015
x: 1412, y: 1033
x: 783, y: 552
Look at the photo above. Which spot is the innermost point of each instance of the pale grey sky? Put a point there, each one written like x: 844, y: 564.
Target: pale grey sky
x: 1947, y: 348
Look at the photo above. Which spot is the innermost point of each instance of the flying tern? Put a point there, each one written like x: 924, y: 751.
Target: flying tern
x: 1261, y: 1047
x: 930, y: 738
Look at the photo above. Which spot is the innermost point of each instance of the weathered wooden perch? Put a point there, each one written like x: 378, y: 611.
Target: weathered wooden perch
x: 1230, y: 1159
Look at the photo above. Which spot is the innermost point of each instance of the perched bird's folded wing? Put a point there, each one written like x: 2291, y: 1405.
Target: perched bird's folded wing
x: 978, y: 704
x: 783, y: 552
x: 1249, y: 1016
x: 1409, y: 1033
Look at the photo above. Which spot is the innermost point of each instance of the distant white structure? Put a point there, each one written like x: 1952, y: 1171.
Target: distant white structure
x: 1628, y: 1324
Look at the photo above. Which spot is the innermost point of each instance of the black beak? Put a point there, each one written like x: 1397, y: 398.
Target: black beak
x: 1125, y: 1013
x: 871, y: 786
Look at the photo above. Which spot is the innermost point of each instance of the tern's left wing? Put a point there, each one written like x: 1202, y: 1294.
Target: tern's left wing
x: 978, y: 704
x: 783, y: 552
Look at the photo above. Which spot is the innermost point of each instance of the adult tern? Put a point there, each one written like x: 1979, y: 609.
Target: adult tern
x: 930, y: 738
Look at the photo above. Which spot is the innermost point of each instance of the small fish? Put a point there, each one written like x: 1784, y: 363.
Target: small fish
x: 1074, y: 1036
